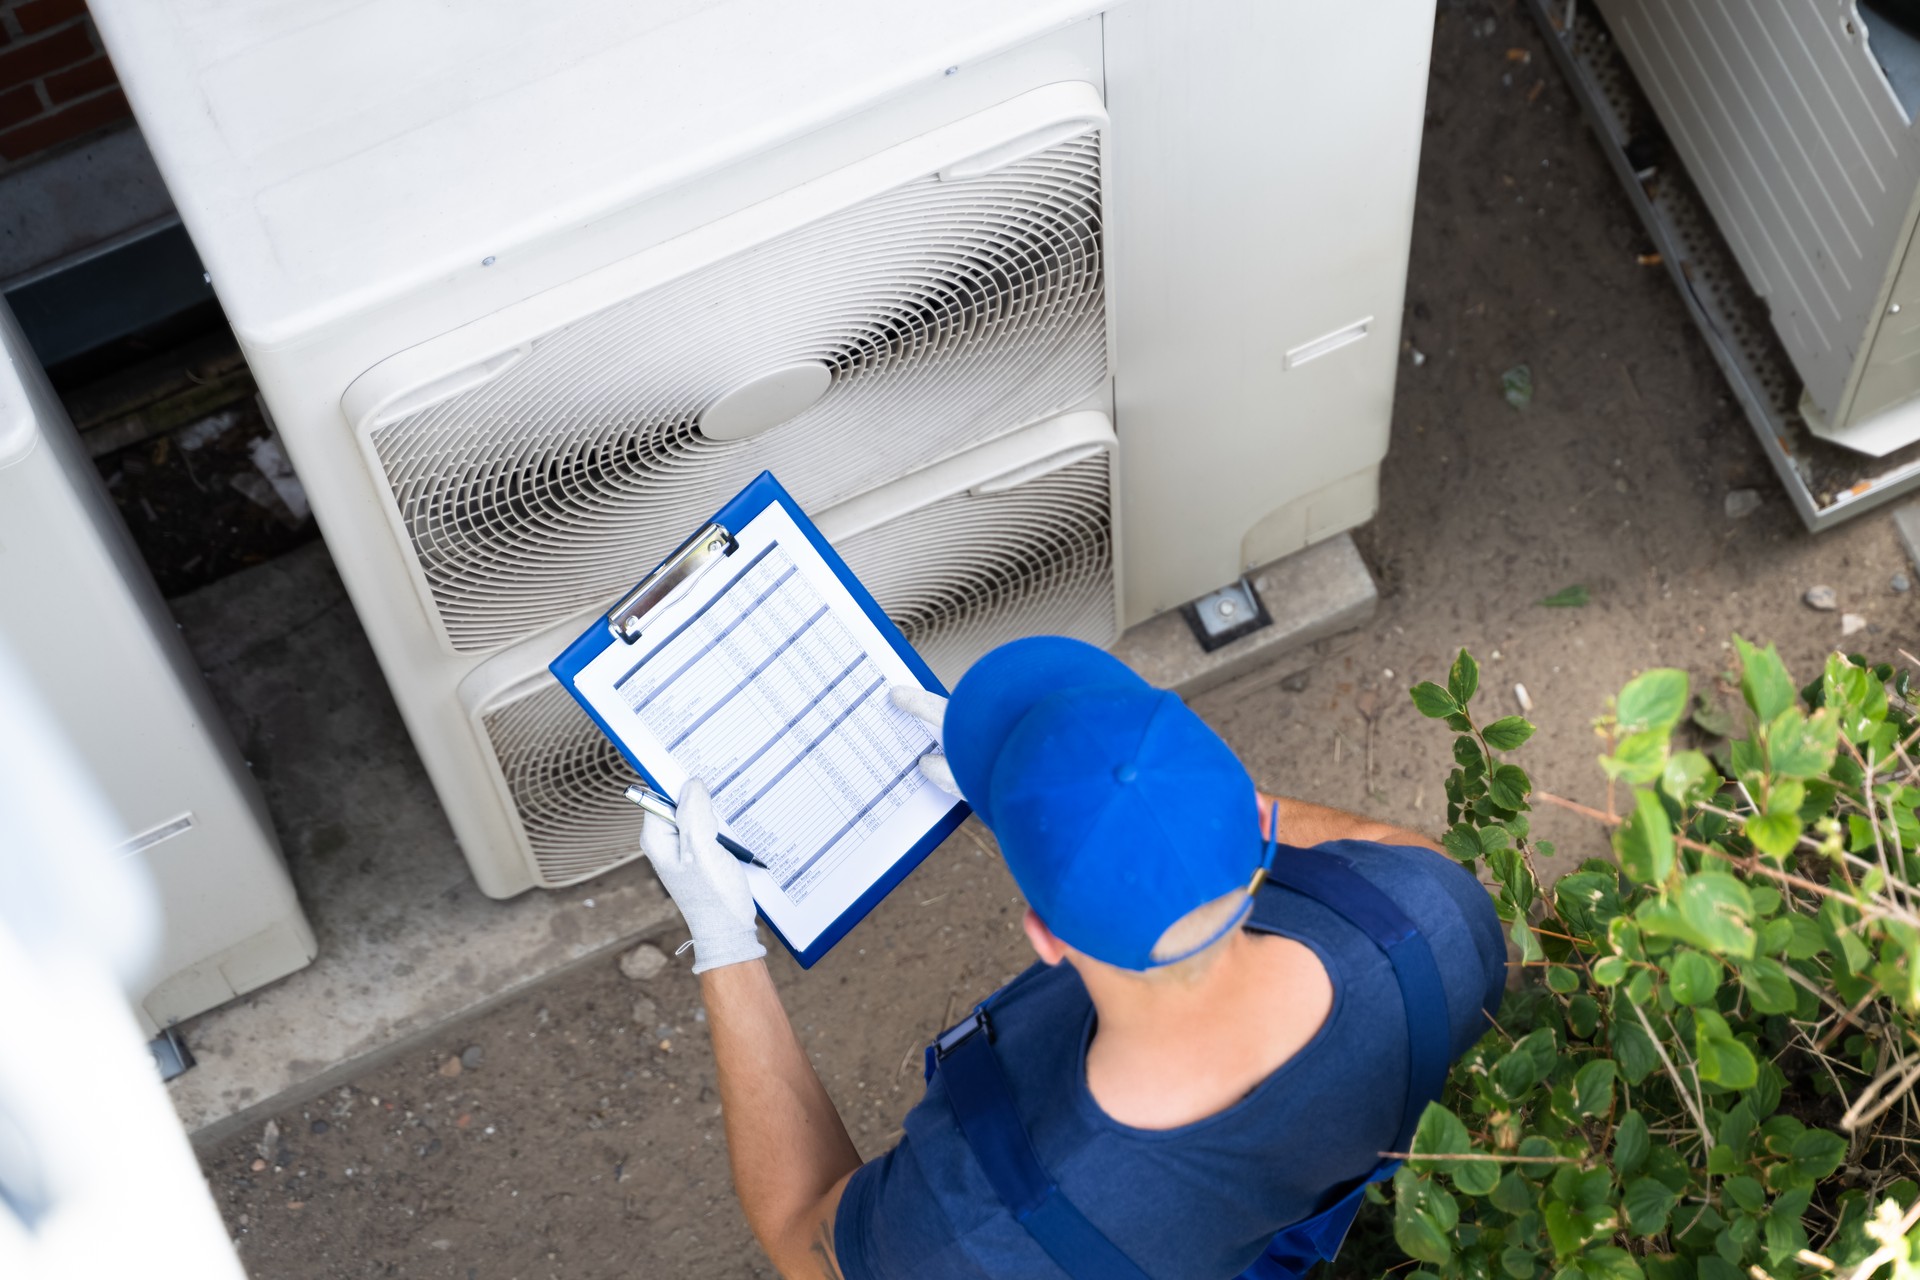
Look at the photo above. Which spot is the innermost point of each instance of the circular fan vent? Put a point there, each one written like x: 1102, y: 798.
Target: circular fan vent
x: 946, y: 313
x: 566, y: 782
x: 968, y: 572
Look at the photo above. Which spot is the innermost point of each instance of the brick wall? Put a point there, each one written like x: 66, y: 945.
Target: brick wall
x: 55, y: 83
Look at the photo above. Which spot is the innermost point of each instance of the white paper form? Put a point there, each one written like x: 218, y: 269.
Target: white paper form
x: 769, y: 683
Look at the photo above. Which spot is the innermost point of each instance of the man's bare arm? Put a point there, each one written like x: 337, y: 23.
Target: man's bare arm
x: 790, y: 1153
x: 1304, y: 825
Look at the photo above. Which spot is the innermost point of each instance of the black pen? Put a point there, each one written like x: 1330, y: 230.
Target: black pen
x: 661, y: 807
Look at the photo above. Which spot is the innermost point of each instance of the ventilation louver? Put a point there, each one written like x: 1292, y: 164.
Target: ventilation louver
x: 945, y: 312
x: 566, y: 782
x: 958, y: 576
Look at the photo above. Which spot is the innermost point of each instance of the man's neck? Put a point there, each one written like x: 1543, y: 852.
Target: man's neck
x: 1170, y: 1053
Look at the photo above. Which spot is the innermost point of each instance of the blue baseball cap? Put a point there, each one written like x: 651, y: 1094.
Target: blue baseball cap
x: 1118, y: 810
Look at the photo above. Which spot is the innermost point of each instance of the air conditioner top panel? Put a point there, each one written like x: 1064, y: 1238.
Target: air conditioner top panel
x: 328, y: 153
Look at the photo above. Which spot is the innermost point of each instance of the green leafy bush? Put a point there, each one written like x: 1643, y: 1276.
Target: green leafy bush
x: 1707, y: 1069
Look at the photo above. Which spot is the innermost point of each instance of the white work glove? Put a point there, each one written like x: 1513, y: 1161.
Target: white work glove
x: 705, y: 881
x: 930, y: 709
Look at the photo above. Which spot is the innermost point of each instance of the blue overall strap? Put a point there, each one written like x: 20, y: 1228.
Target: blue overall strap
x: 1331, y: 880
x: 983, y: 1104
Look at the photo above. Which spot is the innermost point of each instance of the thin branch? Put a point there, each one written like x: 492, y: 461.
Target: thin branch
x: 1679, y: 1085
x: 1474, y: 1155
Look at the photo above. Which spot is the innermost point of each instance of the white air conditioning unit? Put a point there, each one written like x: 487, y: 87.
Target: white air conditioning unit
x: 1797, y: 124
x: 532, y: 290
x: 81, y: 613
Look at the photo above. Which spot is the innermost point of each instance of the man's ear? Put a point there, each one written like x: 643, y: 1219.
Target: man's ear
x: 1049, y: 948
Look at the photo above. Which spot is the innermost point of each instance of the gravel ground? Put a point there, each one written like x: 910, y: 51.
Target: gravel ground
x: 583, y: 1140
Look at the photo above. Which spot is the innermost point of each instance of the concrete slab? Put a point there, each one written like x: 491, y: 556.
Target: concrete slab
x: 1313, y: 594
x: 79, y: 200
x: 407, y: 943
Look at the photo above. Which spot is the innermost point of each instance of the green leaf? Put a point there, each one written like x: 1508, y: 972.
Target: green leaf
x: 1785, y: 1236
x: 1474, y: 1177
x: 1513, y: 1194
x: 1638, y: 757
x: 1768, y: 986
x: 1583, y: 1015
x: 1432, y: 701
x: 1610, y: 971
x: 1647, y: 1202
x: 1774, y: 834
x: 1419, y: 1237
x: 1692, y: 977
x: 1573, y: 597
x: 1462, y: 843
x: 1818, y: 1153
x: 1719, y: 909
x: 1630, y: 1143
x: 1562, y: 980
x: 1463, y: 679
x: 1440, y: 1132
x: 1593, y: 1087
x: 1632, y: 1049
x: 1764, y: 682
x: 1610, y: 1262
x: 1645, y: 841
x: 1519, y: 1263
x: 1808, y: 940
x: 1721, y: 1058
x: 1800, y: 746
x: 1508, y: 733
x: 1508, y: 785
x: 1689, y: 778
x: 1745, y: 1192
x: 1514, y: 1074
x: 1525, y: 940
x: 1654, y: 700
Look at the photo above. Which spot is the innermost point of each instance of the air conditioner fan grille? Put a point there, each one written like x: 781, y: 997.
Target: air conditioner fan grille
x: 946, y: 313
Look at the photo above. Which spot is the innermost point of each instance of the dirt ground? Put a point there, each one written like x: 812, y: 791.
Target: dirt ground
x: 583, y: 1140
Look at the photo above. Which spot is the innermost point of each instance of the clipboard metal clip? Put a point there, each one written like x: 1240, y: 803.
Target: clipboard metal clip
x: 667, y: 583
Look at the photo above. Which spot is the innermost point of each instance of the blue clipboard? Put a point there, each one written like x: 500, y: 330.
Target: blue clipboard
x: 659, y: 588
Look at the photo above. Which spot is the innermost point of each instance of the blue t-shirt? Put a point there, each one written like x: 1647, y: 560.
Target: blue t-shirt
x: 1204, y: 1199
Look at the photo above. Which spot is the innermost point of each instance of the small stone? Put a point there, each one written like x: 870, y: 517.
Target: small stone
x: 441, y: 1245
x: 645, y: 1012
x: 320, y: 1126
x: 1899, y: 582
x: 1825, y: 599
x: 472, y: 1056
x: 643, y: 962
x: 666, y: 1046
x: 258, y: 1166
x: 269, y: 1140
x: 1297, y: 682
x: 450, y: 1068
x: 1742, y: 503
x: 1521, y: 696
x: 1851, y: 622
x: 245, y: 1219
x: 296, y: 1204
x: 463, y: 1121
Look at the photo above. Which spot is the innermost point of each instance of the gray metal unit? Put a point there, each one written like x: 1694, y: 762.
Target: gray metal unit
x: 1798, y: 143
x: 1827, y: 482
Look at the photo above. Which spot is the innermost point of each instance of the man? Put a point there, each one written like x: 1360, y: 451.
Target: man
x: 1196, y: 1061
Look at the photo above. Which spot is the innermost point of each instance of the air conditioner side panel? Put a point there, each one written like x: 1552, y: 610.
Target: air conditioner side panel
x: 1241, y: 228
x: 1787, y: 126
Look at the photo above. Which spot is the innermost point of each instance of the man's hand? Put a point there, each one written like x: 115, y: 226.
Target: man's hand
x: 704, y: 880
x: 930, y: 709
